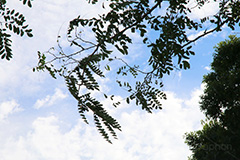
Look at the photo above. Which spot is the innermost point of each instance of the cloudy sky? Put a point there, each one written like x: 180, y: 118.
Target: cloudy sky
x: 39, y: 119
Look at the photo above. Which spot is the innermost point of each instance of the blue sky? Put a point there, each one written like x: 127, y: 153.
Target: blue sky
x: 39, y: 119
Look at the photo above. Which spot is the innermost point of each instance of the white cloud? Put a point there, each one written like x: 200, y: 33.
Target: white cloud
x: 50, y: 100
x: 7, y: 108
x: 45, y: 141
x: 144, y: 136
x: 208, y: 9
x: 207, y: 68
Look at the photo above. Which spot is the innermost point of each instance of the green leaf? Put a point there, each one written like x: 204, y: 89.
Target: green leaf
x: 186, y: 64
x: 29, y: 34
x: 29, y: 3
x: 133, y: 30
x: 105, y: 96
x: 127, y: 100
x: 107, y: 68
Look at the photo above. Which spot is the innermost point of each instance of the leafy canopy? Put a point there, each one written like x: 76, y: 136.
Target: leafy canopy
x: 219, y: 138
x: 170, y: 49
x: 12, y: 21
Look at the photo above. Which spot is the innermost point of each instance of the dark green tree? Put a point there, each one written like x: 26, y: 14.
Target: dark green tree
x: 12, y: 21
x: 220, y: 137
x: 170, y: 49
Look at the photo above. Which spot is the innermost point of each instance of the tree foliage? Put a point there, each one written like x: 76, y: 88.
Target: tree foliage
x: 169, y: 50
x: 12, y: 21
x: 219, y: 138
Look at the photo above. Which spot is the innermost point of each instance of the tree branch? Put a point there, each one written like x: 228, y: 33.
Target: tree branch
x: 205, y: 33
x: 145, y: 15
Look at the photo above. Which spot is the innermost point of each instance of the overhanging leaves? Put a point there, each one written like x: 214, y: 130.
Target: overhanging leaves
x: 82, y: 68
x: 14, y: 22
